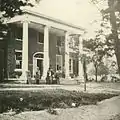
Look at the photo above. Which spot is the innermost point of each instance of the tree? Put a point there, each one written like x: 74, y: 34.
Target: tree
x: 112, y: 14
x: 103, y: 70
x: 8, y: 9
x: 97, y: 50
x: 113, y: 6
x: 85, y: 60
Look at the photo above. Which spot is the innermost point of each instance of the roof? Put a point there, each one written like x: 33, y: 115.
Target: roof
x: 52, y: 19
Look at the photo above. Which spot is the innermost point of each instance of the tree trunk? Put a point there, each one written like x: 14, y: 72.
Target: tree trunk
x: 86, y: 76
x: 96, y: 70
x: 115, y: 33
x: 85, y: 72
x: 85, y: 82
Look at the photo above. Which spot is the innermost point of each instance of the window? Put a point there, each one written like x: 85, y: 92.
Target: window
x: 58, y: 62
x: 18, y: 34
x: 18, y: 58
x: 40, y: 38
x: 70, y: 65
x: 59, y: 44
x: 74, y: 42
x: 59, y: 41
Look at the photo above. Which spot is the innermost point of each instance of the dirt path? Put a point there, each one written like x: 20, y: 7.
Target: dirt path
x: 91, y: 87
x: 102, y: 111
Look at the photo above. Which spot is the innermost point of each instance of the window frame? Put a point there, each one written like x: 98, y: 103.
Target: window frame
x: 16, y: 32
x: 38, y: 38
x: 60, y: 38
x: 61, y: 61
x: 70, y: 65
x: 18, y: 69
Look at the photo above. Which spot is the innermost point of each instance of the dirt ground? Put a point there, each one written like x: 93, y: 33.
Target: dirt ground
x: 92, y: 87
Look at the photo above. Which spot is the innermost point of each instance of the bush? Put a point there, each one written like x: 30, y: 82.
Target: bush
x: 15, y: 74
x: 21, y: 101
x: 115, y: 79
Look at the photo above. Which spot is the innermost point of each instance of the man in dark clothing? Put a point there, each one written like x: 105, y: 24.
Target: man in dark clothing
x: 58, y: 75
x: 28, y: 73
x: 50, y: 76
x: 37, y: 76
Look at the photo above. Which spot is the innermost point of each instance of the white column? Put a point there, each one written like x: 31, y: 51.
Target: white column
x: 25, y: 50
x: 80, y: 69
x: 46, y: 52
x: 67, y: 55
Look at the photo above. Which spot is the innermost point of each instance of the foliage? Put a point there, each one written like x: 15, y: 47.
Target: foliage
x: 46, y: 99
x: 94, y: 50
x: 112, y: 15
x: 97, y: 49
x: 10, y: 8
x: 102, y: 70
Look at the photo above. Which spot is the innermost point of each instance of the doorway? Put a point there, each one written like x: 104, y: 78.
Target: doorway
x: 58, y: 62
x: 37, y: 63
x: 40, y: 65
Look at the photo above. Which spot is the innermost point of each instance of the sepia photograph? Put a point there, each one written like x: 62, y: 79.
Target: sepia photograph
x: 59, y: 59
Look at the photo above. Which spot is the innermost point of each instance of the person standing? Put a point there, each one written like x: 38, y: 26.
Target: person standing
x: 58, y: 75
x: 28, y: 74
x: 48, y: 76
x: 37, y: 76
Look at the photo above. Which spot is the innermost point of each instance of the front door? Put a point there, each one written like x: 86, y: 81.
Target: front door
x: 38, y: 62
x: 40, y: 65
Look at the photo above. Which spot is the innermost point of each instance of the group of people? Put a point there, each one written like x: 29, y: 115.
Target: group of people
x: 37, y: 77
x: 52, y: 77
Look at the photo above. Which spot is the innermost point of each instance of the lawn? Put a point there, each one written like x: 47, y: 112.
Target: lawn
x: 117, y: 117
x: 20, y: 101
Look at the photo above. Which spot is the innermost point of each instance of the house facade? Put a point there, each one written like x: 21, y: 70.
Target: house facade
x: 39, y: 41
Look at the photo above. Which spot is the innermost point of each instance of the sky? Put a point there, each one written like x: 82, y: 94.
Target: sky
x: 78, y: 12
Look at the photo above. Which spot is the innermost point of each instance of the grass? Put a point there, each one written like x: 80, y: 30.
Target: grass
x: 19, y: 101
x: 116, y: 117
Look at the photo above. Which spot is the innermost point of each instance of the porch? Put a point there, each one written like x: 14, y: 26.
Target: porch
x: 47, y: 26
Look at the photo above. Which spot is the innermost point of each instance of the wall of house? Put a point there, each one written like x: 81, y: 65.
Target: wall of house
x: 17, y: 45
x: 2, y: 59
x: 33, y: 47
x: 11, y: 55
x: 74, y: 58
x: 52, y: 51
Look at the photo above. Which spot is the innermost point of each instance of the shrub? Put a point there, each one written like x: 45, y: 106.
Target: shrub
x: 44, y: 99
x: 15, y: 74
